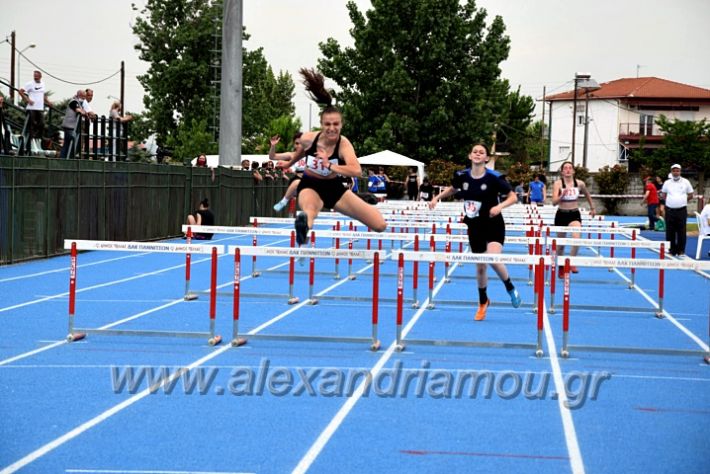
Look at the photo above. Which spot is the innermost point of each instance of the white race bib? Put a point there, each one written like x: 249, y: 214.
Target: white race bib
x: 471, y: 208
x: 319, y: 165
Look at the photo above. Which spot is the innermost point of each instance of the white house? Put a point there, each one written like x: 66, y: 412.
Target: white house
x: 619, y: 113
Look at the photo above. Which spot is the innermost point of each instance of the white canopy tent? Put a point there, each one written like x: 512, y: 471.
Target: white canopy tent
x: 390, y: 158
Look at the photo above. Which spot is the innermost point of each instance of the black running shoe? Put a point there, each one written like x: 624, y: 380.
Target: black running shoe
x: 301, y: 226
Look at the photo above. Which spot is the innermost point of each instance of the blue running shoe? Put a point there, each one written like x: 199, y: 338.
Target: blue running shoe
x: 515, y: 299
x: 301, y: 226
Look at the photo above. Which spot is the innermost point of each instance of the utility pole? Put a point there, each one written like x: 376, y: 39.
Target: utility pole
x: 230, y: 112
x: 13, y: 86
x: 574, y: 116
x: 542, y: 128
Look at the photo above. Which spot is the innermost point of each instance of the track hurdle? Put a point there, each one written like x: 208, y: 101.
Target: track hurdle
x: 74, y: 246
x: 538, y: 261
x: 652, y: 264
x: 311, y: 253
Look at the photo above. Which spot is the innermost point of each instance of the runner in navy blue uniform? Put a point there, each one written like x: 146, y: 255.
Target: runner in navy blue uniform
x: 479, y: 188
x: 330, y: 161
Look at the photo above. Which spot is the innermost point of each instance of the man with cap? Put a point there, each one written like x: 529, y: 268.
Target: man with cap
x: 676, y: 191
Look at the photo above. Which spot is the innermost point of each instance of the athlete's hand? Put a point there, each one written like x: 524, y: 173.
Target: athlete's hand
x: 495, y: 210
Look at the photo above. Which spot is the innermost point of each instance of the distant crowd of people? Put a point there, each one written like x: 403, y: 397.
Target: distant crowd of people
x: 35, y: 97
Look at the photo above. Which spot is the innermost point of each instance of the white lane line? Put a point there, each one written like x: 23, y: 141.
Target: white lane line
x: 134, y: 471
x: 66, y: 269
x: 57, y: 442
x: 666, y: 314
x: 575, y: 454
x: 317, y: 447
x: 100, y: 285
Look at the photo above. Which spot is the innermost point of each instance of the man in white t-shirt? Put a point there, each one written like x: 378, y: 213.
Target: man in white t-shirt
x: 86, y: 105
x: 34, y: 95
x: 676, y: 191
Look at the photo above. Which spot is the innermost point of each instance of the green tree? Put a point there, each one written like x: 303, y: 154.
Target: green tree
x: 176, y: 38
x: 423, y: 78
x: 685, y: 142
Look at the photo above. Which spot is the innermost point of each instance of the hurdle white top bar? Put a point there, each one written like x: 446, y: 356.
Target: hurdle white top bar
x: 303, y: 252
x: 684, y: 264
x: 141, y: 246
x: 470, y: 257
x: 453, y: 225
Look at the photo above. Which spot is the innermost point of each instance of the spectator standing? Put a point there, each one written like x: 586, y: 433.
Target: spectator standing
x: 4, y: 133
x: 34, y: 93
x: 661, y: 209
x: 86, y: 105
x: 537, y: 191
x: 520, y: 192
x: 373, y: 181
x: 412, y: 184
x: 71, y: 117
x: 115, y: 115
x: 426, y: 190
x: 650, y: 198
x: 676, y: 191
x: 384, y: 181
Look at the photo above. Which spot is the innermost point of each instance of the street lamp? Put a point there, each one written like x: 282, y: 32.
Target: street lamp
x: 19, y: 58
x: 585, y: 82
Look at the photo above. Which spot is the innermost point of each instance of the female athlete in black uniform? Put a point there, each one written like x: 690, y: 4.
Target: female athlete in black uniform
x: 329, y: 157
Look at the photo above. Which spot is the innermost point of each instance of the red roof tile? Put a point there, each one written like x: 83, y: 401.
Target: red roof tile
x: 640, y: 88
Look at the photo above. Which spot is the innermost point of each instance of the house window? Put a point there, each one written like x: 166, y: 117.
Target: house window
x: 646, y: 124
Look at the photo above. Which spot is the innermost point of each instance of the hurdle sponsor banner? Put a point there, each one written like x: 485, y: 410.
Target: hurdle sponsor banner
x: 303, y: 252
x: 451, y: 257
x: 142, y: 246
x: 658, y: 264
x: 221, y: 229
x: 639, y: 244
x: 239, y: 230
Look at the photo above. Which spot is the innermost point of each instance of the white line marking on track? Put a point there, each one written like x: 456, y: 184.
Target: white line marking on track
x: 65, y: 269
x: 307, y: 460
x: 575, y: 455
x: 133, y: 471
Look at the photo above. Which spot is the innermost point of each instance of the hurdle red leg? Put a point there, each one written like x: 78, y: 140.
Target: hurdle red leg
x: 375, y: 301
x: 661, y: 286
x: 540, y: 284
x: 236, y: 341
x: 72, y: 336
x: 400, y: 301
x: 565, y: 311
x: 188, y: 264
x: 214, y: 339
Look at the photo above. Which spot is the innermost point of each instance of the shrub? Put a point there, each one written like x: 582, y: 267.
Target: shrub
x: 612, y: 181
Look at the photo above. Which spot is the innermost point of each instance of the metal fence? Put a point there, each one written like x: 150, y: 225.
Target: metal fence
x: 44, y: 201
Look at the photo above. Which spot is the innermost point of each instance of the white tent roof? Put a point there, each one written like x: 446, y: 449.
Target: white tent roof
x: 390, y: 158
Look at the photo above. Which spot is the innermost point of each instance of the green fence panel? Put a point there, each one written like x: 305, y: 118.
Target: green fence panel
x: 44, y: 201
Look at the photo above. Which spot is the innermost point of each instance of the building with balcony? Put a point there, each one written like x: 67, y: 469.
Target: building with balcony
x: 620, y: 116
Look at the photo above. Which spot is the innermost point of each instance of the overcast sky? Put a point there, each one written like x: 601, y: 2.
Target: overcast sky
x: 85, y: 41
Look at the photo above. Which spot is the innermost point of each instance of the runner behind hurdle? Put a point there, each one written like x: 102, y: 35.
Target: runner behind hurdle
x: 480, y: 188
x: 565, y: 194
x: 330, y: 163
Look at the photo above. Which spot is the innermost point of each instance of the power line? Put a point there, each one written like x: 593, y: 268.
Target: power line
x: 39, y: 68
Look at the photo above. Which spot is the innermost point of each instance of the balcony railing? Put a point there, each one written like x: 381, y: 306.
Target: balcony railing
x: 636, y: 128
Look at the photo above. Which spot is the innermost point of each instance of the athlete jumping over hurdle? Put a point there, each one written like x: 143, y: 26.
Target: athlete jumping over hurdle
x: 565, y: 194
x: 479, y: 188
x: 330, y: 163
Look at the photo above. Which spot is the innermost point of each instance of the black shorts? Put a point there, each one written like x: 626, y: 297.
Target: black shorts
x: 482, y: 230
x: 329, y: 190
x: 294, y: 178
x: 565, y: 217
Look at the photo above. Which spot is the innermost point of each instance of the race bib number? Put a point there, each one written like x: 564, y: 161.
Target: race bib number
x: 319, y: 165
x: 471, y: 208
